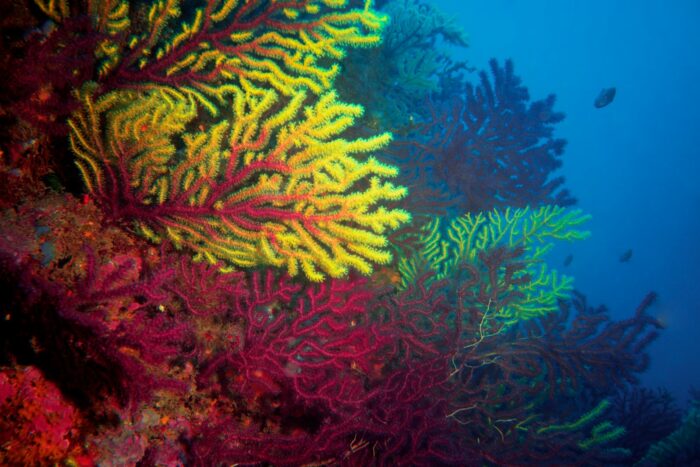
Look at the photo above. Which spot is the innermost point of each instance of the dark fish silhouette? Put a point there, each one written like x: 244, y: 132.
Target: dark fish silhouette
x: 568, y: 260
x: 626, y: 256
x: 605, y: 97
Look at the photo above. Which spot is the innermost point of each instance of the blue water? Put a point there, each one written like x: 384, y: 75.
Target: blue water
x: 634, y: 165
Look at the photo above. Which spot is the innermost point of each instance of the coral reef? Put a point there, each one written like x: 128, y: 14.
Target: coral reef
x: 230, y: 274
x: 87, y: 322
x: 291, y: 192
x: 201, y: 367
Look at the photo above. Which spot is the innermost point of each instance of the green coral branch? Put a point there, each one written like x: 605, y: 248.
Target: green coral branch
x: 669, y: 450
x: 579, y: 423
x: 449, y: 244
x: 601, y: 433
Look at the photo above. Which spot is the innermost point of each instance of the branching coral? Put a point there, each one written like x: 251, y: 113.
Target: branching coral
x: 647, y: 415
x: 214, y: 127
x: 554, y: 354
x: 222, y: 134
x: 601, y: 433
x: 200, y: 47
x: 682, y: 447
x: 407, y: 68
x: 314, y: 342
x: 275, y: 186
x: 333, y: 372
x: 275, y: 44
x: 507, y: 380
x: 452, y: 246
x: 490, y: 148
x: 333, y: 381
x: 97, y: 333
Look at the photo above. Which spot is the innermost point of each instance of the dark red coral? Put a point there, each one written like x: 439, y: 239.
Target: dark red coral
x: 315, y: 341
x: 328, y: 372
x: 505, y: 382
x: 40, y: 79
x: 37, y: 426
x: 280, y: 372
x: 594, y: 352
x: 435, y: 379
x: 98, y: 327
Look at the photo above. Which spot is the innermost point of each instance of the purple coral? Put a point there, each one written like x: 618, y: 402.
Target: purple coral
x: 490, y: 148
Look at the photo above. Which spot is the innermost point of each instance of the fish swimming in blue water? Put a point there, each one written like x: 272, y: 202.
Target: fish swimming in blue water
x: 568, y: 260
x: 626, y: 256
x: 605, y: 97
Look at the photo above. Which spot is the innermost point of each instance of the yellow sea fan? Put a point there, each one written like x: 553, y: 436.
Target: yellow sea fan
x: 272, y: 182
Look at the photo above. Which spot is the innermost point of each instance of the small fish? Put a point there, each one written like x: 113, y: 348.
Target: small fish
x: 626, y: 256
x: 605, y: 97
x: 568, y: 260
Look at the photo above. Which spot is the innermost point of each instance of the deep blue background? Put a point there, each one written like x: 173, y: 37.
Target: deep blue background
x: 634, y: 165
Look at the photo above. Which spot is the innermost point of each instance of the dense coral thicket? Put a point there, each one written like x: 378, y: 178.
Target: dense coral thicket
x: 210, y: 367
x: 681, y: 447
x: 228, y: 285
x: 452, y: 247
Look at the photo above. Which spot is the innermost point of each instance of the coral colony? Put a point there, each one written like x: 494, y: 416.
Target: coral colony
x: 211, y: 255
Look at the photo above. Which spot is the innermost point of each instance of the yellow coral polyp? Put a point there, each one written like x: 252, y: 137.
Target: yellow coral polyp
x: 243, y: 36
x: 57, y: 10
x: 291, y: 13
x: 334, y: 3
x: 313, y: 8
